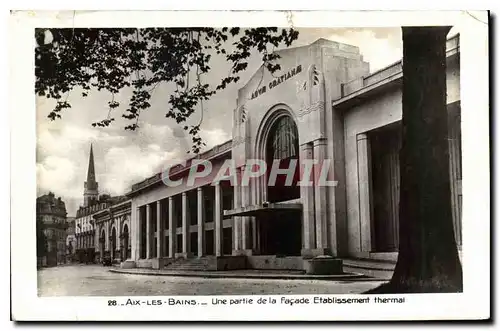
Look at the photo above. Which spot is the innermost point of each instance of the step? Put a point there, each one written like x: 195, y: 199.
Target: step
x: 192, y: 264
x: 372, y: 268
x: 187, y: 269
x: 189, y: 264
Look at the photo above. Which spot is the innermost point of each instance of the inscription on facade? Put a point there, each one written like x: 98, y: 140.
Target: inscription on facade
x: 275, y: 82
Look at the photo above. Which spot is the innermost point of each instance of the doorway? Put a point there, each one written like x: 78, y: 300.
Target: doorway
x: 280, y: 233
x: 385, y: 147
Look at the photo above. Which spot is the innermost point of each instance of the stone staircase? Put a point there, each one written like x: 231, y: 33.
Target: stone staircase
x: 373, y: 268
x: 207, y: 263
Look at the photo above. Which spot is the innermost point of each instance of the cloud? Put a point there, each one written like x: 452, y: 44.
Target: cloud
x: 213, y: 137
x: 56, y: 174
x: 130, y: 164
x: 379, y: 46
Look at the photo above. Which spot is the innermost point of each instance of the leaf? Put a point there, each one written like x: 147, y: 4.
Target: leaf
x: 111, y: 60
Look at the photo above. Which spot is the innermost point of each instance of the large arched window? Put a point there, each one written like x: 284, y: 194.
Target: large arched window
x: 283, y: 146
x: 284, y: 139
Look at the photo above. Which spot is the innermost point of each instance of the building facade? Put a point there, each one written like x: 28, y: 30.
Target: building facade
x: 113, y: 231
x: 85, y: 233
x: 70, y: 240
x: 326, y: 108
x: 51, y: 230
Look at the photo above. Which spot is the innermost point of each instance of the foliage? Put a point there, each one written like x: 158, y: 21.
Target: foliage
x: 140, y: 59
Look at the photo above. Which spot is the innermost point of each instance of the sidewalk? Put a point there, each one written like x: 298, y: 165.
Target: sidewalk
x: 247, y: 273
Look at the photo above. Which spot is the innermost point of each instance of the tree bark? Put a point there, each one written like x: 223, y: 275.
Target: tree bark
x: 428, y: 258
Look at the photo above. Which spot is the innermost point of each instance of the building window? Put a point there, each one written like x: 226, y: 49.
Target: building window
x: 282, y: 147
x: 284, y: 139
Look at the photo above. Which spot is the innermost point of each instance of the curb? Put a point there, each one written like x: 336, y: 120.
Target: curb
x: 347, y: 277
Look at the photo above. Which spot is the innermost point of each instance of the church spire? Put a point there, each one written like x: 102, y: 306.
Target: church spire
x: 91, y: 169
x: 91, y: 186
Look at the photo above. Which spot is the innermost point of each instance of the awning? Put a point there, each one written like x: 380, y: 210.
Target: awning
x: 265, y: 209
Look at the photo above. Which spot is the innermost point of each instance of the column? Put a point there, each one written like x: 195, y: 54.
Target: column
x: 107, y: 237
x: 253, y: 220
x: 253, y: 223
x: 160, y: 235
x: 218, y: 219
x: 102, y: 243
x: 110, y: 238
x: 135, y: 236
x: 148, y: 231
x: 245, y: 220
x: 172, y: 227
x: 186, y: 247
x: 237, y: 204
x: 201, y: 222
x: 364, y: 188
x: 118, y: 238
x: 307, y: 196
x: 320, y: 203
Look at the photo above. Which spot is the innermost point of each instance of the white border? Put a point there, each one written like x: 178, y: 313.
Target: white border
x: 473, y: 303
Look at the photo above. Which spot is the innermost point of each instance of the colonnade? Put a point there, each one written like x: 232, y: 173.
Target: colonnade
x: 161, y: 220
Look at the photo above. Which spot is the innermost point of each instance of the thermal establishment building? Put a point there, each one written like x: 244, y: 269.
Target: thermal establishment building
x: 323, y: 105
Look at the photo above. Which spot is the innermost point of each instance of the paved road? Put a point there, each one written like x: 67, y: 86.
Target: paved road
x: 95, y: 280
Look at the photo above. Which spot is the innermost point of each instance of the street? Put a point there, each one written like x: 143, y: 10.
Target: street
x: 96, y: 280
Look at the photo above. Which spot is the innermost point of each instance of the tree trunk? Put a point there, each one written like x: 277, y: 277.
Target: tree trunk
x: 428, y: 258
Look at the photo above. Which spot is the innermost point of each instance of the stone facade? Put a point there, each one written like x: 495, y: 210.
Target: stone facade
x: 85, y: 230
x: 70, y: 240
x: 51, y: 230
x: 323, y: 106
x: 113, y: 231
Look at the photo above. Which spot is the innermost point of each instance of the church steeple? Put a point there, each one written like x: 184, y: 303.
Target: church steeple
x: 91, y: 186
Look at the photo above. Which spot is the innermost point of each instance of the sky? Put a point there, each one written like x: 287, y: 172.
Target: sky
x: 123, y: 157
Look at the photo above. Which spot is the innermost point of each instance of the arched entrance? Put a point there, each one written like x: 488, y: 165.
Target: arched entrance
x: 113, y: 243
x: 281, y: 231
x: 124, y: 248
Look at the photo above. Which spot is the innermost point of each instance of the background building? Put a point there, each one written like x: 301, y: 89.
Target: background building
x: 92, y: 203
x: 113, y: 230
x: 51, y: 230
x: 70, y: 240
x: 85, y: 230
x: 88, y: 243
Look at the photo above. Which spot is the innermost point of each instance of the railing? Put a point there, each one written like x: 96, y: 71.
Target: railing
x: 350, y: 87
x: 387, y: 72
x: 377, y: 76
